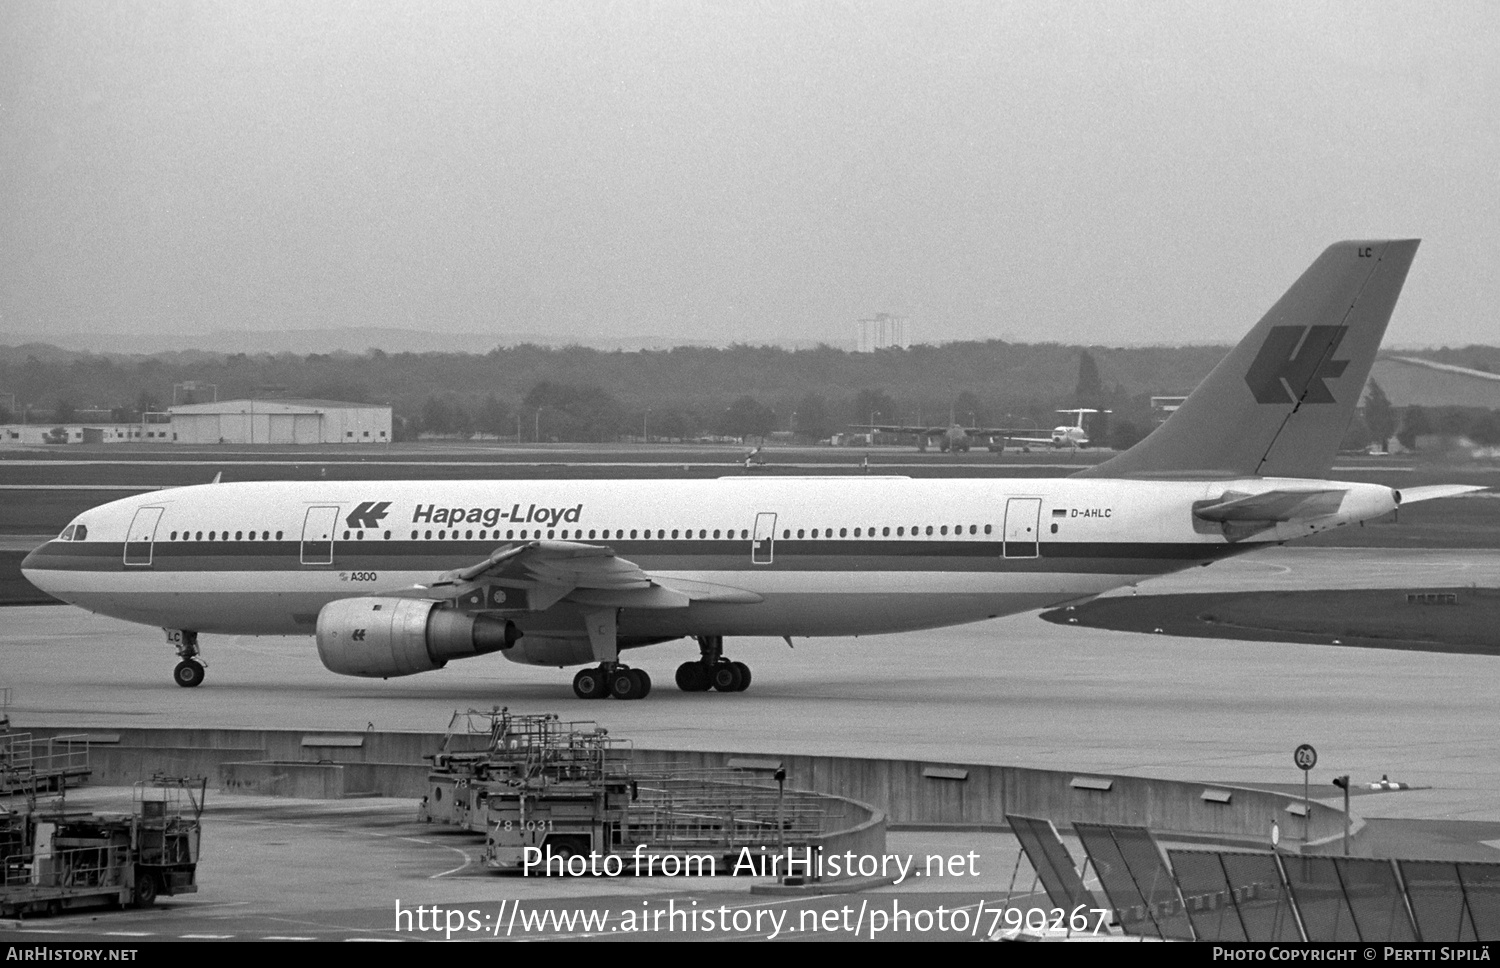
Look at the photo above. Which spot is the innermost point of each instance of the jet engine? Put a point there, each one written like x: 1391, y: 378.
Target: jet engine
x: 384, y: 637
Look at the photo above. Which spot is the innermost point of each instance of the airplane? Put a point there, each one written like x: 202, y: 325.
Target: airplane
x: 956, y: 438
x: 398, y: 578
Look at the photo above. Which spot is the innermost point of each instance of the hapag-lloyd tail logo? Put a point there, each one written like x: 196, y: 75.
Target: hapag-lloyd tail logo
x: 1289, y: 365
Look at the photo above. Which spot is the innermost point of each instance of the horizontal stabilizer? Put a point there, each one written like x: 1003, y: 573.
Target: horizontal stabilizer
x: 1431, y: 492
x: 1273, y: 506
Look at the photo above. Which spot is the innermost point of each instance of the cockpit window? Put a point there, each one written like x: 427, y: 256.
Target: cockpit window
x: 67, y: 533
x: 80, y: 532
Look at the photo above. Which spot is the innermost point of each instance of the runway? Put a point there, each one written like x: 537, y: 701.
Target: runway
x: 1011, y: 691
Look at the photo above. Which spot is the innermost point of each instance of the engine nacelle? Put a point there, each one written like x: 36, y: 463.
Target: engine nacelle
x: 383, y: 637
x: 552, y: 650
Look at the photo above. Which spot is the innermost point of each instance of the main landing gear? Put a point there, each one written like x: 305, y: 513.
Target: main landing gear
x: 712, y: 670
x: 621, y: 682
x: 189, y: 671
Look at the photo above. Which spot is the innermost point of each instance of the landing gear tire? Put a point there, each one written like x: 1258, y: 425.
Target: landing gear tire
x: 629, y: 684
x: 727, y: 678
x: 590, y: 684
x: 188, y: 674
x: 692, y: 677
x: 744, y: 675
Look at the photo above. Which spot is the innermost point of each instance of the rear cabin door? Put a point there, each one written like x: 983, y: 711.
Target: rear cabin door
x: 764, y: 539
x: 142, y: 536
x: 1023, y: 519
x: 317, y: 535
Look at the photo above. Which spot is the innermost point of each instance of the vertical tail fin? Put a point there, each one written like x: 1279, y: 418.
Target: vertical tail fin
x: 1280, y: 402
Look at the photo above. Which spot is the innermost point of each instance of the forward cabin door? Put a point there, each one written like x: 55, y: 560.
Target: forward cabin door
x: 763, y: 540
x: 317, y: 535
x: 1023, y: 521
x: 141, y: 537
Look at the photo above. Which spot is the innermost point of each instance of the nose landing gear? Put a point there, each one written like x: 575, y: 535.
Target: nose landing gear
x: 189, y: 671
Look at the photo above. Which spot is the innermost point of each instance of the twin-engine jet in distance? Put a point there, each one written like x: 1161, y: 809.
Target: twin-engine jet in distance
x: 957, y: 439
x: 396, y: 578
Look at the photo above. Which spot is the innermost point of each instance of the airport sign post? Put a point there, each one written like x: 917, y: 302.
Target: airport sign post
x: 1306, y: 758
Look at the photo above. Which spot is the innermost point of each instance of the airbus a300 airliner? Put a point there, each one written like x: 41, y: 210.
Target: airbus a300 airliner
x: 397, y: 578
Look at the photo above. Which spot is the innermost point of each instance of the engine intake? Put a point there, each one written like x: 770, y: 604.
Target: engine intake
x: 383, y: 637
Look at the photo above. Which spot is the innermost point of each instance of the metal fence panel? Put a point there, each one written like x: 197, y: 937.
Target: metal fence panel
x: 1437, y: 900
x: 1481, y: 883
x: 1052, y: 862
x: 1132, y: 901
x: 1319, y: 895
x: 1208, y: 895
x: 1265, y: 907
x: 1154, y: 880
x: 1375, y: 897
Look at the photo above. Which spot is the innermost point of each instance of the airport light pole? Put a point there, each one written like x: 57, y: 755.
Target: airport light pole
x: 645, y: 434
x: 1342, y: 782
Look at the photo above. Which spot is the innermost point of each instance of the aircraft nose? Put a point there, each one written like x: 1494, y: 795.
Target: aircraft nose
x: 33, y: 568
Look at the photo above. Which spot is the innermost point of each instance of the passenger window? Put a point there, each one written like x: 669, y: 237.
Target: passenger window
x: 986, y: 529
x: 174, y: 534
x: 674, y: 532
x: 801, y: 533
x: 360, y: 535
x: 843, y: 532
x: 885, y: 532
x: 550, y: 532
x: 900, y: 532
x: 278, y: 536
x: 929, y: 529
x: 785, y: 534
x: 211, y: 535
x: 944, y: 529
x: 469, y: 533
x: 509, y: 535
x: 856, y: 532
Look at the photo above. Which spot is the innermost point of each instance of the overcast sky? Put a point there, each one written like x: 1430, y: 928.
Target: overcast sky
x: 1109, y: 173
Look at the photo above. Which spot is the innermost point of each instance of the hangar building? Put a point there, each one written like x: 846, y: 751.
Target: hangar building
x: 280, y: 422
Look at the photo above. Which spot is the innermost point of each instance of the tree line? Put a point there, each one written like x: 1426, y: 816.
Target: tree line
x: 575, y: 393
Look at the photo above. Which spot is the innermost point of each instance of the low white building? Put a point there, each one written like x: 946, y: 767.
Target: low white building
x: 38, y: 434
x: 280, y: 422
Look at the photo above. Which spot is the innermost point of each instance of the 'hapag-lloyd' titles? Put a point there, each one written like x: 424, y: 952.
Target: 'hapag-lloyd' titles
x: 531, y: 514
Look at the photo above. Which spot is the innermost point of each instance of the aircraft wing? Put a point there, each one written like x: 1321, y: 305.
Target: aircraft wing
x: 900, y: 429
x: 1027, y: 435
x: 535, y: 575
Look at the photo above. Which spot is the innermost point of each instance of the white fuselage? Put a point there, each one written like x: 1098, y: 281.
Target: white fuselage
x: 826, y: 556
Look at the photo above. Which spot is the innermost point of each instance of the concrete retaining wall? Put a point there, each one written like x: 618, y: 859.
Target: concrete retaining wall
x: 907, y: 791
